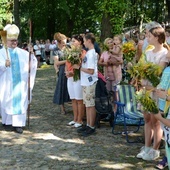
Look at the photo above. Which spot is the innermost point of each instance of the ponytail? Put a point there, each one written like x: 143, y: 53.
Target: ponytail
x: 166, y: 46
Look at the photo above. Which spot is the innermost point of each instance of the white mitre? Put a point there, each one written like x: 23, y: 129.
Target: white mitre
x: 12, y: 31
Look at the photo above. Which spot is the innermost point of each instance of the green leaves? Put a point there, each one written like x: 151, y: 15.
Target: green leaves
x: 147, y: 102
x: 146, y: 70
x: 102, y: 17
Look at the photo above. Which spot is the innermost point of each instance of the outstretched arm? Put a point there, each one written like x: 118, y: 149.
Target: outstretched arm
x: 159, y: 117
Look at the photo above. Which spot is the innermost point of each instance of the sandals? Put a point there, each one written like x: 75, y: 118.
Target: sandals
x: 162, y: 164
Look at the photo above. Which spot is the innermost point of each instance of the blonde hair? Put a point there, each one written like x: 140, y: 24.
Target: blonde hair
x: 105, y: 45
x: 59, y: 37
x: 119, y: 36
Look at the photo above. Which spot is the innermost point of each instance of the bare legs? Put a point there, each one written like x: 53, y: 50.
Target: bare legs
x: 158, y: 132
x: 152, y: 131
x: 148, y: 130
x: 38, y: 63
x: 62, y: 108
x: 78, y: 110
x: 91, y: 116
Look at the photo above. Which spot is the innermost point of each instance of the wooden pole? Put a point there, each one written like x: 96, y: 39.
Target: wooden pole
x: 29, y: 71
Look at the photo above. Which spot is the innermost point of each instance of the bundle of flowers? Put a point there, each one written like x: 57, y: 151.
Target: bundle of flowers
x: 143, y: 97
x: 129, y: 51
x: 145, y: 70
x: 148, y: 71
x: 66, y: 53
x: 73, y: 57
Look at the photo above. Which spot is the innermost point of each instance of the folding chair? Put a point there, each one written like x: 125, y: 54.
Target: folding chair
x: 127, y: 113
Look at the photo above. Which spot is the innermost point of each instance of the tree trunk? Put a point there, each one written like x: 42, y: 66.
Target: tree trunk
x: 168, y: 7
x: 50, y: 20
x: 157, y: 10
x: 16, y: 19
x: 16, y: 13
x: 106, y: 28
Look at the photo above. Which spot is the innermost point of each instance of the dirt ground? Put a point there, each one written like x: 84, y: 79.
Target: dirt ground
x: 49, y: 144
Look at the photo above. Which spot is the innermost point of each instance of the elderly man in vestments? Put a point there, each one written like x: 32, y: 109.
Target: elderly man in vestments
x: 14, y: 72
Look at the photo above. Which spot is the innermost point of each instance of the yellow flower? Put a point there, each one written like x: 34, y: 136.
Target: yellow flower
x: 129, y: 51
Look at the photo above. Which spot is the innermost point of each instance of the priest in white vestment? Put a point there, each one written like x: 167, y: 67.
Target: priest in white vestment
x: 14, y: 71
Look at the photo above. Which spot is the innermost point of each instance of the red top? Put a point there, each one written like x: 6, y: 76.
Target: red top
x: 69, y: 65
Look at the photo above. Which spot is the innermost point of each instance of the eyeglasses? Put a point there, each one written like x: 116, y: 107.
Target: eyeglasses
x: 13, y: 41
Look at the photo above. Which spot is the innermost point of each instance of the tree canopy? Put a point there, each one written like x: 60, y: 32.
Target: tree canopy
x: 104, y: 18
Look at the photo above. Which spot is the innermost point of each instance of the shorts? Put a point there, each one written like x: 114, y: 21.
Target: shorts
x: 89, y: 95
x: 47, y: 53
x: 74, y: 89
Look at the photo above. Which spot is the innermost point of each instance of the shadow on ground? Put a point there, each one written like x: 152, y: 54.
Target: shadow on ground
x: 49, y: 144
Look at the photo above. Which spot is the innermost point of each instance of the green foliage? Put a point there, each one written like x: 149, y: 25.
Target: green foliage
x: 116, y: 9
x: 5, y: 12
x: 146, y: 70
x: 74, y: 16
x: 147, y: 102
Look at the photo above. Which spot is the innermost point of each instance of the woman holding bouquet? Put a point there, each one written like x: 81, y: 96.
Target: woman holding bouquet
x: 73, y: 82
x: 155, y: 37
x: 61, y: 93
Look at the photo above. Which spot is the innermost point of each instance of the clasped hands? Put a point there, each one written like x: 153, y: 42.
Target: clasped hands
x: 109, y: 61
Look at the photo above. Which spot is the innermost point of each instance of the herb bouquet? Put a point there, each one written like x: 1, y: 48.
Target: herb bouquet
x: 148, y: 71
x: 143, y: 97
x: 129, y: 51
x: 73, y: 57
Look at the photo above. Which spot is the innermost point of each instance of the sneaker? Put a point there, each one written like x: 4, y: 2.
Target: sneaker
x: 77, y: 125
x: 71, y: 123
x: 151, y: 155
x: 89, y: 131
x: 141, y: 153
x: 162, y: 164
x: 82, y: 129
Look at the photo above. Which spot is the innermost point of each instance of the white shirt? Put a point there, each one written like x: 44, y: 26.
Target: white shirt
x: 52, y: 46
x: 89, y: 62
x: 157, y: 57
x: 37, y: 49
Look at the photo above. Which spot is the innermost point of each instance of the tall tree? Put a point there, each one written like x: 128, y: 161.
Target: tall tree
x: 16, y: 13
x: 104, y: 18
x: 168, y: 7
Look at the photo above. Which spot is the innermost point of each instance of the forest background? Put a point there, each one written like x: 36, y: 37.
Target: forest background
x: 40, y: 19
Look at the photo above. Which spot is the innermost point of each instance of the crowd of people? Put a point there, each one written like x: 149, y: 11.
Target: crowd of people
x: 151, y: 45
